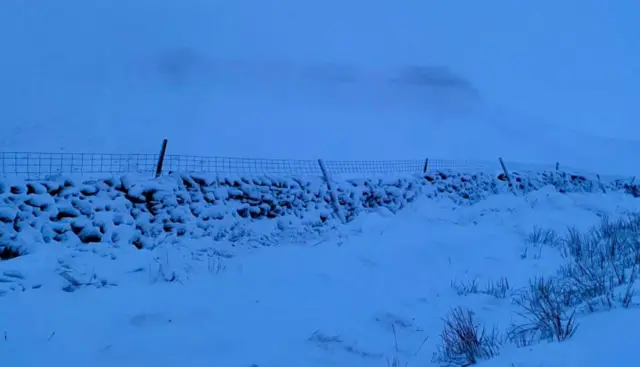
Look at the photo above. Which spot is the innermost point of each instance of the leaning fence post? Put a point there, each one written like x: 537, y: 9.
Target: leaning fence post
x: 426, y: 165
x: 334, y: 197
x: 506, y: 173
x: 604, y: 191
x: 163, y: 151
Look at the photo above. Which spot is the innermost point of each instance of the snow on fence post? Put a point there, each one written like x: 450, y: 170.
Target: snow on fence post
x: 604, y: 191
x: 334, y: 197
x: 426, y: 165
x: 506, y: 173
x: 163, y: 151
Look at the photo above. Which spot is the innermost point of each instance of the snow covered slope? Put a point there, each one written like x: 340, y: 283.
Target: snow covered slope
x: 361, y: 295
x: 333, y: 79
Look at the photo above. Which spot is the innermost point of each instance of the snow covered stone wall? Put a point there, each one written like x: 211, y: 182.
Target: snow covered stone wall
x: 127, y: 211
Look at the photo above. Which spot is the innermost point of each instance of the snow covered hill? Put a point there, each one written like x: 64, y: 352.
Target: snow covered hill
x: 339, y: 80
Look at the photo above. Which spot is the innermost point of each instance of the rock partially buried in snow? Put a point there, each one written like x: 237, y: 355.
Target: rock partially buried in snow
x: 7, y: 214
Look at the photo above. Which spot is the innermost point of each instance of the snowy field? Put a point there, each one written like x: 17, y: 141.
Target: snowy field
x: 261, y: 271
x: 374, y: 290
x: 85, y: 289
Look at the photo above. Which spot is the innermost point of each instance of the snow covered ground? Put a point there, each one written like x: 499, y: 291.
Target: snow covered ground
x: 542, y: 83
x: 373, y: 290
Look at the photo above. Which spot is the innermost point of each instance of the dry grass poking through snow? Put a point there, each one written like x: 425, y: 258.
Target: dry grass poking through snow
x: 602, y: 266
x: 465, y: 341
x: 545, y: 307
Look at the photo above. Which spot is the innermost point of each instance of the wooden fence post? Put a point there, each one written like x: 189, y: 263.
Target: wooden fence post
x: 334, y: 197
x: 426, y: 165
x: 506, y: 173
x: 604, y: 191
x: 557, y: 166
x: 163, y: 151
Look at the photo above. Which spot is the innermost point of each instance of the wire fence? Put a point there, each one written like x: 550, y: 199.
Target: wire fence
x: 32, y: 165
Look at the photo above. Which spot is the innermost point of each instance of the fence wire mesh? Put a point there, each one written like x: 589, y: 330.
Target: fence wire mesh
x: 247, y: 166
x: 42, y: 165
